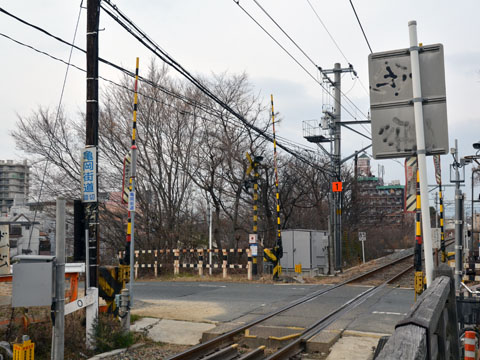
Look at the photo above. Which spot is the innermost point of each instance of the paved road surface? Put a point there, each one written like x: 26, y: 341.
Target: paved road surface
x: 241, y: 302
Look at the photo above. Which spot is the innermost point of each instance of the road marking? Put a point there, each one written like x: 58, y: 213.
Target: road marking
x: 206, y: 285
x: 388, y: 313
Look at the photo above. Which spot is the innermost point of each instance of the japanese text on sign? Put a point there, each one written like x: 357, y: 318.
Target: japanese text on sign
x: 89, y: 174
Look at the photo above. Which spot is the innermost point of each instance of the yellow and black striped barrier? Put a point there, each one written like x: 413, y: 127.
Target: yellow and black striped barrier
x: 111, y: 281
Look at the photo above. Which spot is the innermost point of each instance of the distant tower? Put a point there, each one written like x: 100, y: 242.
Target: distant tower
x: 363, y: 165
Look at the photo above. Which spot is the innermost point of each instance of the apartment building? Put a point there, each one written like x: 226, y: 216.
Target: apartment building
x: 14, y: 182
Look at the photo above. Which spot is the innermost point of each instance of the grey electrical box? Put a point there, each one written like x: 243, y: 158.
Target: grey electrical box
x: 308, y: 248
x: 32, y: 280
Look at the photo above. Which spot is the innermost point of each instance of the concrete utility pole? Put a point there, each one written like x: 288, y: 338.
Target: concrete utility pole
x: 59, y: 328
x: 91, y: 209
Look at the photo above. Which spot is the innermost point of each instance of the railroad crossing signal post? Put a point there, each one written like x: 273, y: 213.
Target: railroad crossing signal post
x: 254, y: 164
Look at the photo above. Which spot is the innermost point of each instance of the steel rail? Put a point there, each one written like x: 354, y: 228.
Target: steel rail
x: 207, y: 347
x: 297, y: 346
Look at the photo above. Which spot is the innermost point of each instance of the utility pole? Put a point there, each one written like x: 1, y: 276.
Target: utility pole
x: 59, y: 325
x: 336, y: 197
x: 336, y: 160
x: 91, y: 208
x: 458, y: 219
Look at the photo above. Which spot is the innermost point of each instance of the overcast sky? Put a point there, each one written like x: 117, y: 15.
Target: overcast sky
x: 215, y: 36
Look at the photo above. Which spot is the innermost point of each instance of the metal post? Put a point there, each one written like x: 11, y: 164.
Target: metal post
x: 458, y: 223
x: 59, y: 329
x: 91, y: 209
x: 87, y: 263
x: 132, y: 217
x: 337, y: 216
x: 331, y: 225
x: 442, y: 233
x: 363, y: 251
x: 255, y: 212
x: 421, y: 151
x: 436, y: 226
x: 124, y: 309
x: 131, y: 197
x: 210, y: 238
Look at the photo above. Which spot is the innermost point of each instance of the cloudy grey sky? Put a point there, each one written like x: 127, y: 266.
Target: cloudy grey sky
x: 214, y: 36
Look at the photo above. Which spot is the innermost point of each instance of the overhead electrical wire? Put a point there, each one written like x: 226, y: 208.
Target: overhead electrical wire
x: 328, y: 32
x: 143, y: 38
x: 291, y: 56
x: 304, y: 53
x: 54, y: 127
x: 361, y: 27
x: 341, y: 52
x: 266, y: 135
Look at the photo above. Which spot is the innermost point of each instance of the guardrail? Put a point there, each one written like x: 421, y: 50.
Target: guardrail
x: 430, y: 329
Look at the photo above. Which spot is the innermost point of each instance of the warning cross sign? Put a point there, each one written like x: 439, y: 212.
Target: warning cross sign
x: 337, y: 186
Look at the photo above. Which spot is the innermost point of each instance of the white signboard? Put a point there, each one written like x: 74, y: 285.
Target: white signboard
x: 4, y: 250
x: 436, y: 235
x: 131, y: 201
x: 252, y: 238
x: 89, y: 174
x: 362, y: 236
x: 254, y: 249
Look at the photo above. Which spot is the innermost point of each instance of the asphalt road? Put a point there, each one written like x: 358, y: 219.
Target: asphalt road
x: 237, y: 299
x: 243, y: 302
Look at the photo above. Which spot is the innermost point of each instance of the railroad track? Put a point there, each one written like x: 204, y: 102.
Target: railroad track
x: 226, y: 347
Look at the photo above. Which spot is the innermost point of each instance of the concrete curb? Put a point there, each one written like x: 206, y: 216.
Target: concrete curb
x: 115, y: 352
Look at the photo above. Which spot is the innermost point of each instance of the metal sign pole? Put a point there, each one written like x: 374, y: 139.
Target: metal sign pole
x: 363, y: 250
x: 210, y: 238
x: 421, y: 151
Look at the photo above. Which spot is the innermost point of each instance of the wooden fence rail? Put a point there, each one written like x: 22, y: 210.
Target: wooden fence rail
x: 430, y: 329
x: 172, y: 261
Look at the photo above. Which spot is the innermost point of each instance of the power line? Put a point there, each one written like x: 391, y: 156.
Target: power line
x: 361, y: 27
x: 143, y: 38
x: 55, y: 125
x: 335, y: 42
x: 150, y: 83
x: 301, y: 50
x: 328, y: 32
